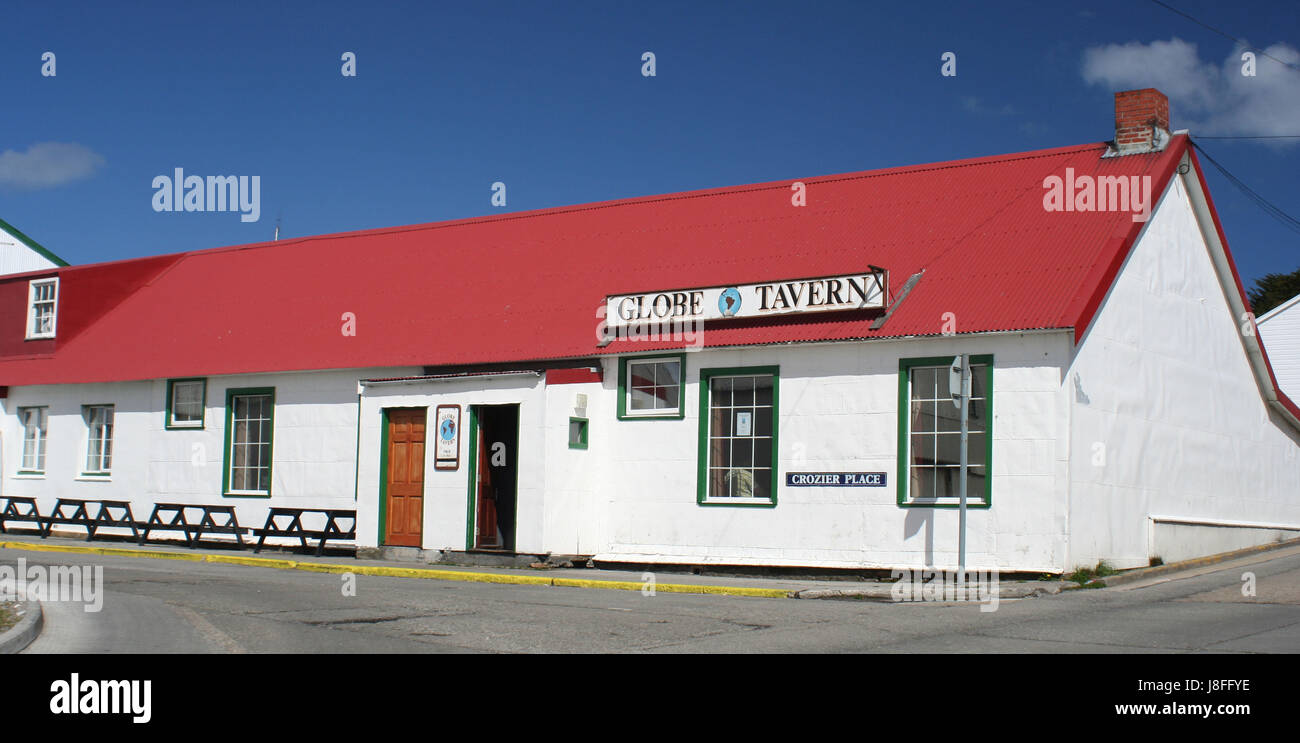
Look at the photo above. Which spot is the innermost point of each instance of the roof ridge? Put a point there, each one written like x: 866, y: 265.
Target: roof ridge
x: 633, y: 200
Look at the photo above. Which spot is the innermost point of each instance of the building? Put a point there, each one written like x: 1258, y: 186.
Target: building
x: 19, y: 253
x: 747, y: 376
x: 1279, y: 328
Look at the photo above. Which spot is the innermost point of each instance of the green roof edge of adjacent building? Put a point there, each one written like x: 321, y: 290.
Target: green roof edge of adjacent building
x: 31, y: 243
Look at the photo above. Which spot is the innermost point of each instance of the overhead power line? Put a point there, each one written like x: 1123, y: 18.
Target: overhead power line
x: 1269, y: 208
x: 1226, y: 35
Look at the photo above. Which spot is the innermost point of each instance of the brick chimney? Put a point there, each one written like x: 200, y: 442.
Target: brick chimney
x: 1141, y: 121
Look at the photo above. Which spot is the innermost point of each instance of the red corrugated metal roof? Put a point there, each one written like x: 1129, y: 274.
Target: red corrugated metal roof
x: 527, y: 286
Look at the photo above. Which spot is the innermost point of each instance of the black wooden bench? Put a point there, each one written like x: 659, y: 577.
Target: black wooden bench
x: 107, y: 513
x: 20, y: 508
x: 213, y: 520
x: 287, y: 522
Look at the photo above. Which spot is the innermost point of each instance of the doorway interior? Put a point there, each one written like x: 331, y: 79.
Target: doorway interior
x: 494, y: 435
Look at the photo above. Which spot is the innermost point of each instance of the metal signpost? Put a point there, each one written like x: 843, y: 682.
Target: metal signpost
x: 959, y: 386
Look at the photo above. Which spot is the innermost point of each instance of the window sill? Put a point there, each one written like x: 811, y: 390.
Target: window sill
x: 245, y: 494
x: 768, y: 502
x: 656, y: 416
x: 183, y: 427
x: 29, y: 476
x: 92, y: 477
x: 944, y: 503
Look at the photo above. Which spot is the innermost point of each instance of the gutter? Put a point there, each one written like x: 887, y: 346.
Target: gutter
x: 422, y: 378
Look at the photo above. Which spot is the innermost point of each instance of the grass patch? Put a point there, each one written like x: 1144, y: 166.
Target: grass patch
x: 1083, y: 576
x: 8, y: 617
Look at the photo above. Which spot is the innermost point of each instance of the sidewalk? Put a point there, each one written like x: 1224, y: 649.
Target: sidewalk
x: 627, y: 580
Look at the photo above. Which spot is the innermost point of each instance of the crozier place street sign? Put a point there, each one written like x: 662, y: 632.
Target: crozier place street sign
x: 856, y: 291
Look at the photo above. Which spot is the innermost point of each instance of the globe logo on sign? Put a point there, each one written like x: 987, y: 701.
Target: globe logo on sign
x: 729, y: 302
x: 447, y: 430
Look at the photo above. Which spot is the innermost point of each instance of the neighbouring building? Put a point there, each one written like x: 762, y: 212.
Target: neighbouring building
x: 754, y: 375
x: 19, y: 253
x: 1279, y: 328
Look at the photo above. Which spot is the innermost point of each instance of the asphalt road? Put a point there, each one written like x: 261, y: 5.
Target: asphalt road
x: 160, y: 606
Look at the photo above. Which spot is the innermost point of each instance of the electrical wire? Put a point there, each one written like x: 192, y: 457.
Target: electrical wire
x: 1226, y: 35
x: 1269, y: 208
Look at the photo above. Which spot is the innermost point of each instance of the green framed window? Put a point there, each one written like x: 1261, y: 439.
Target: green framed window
x: 738, y: 436
x: 250, y: 427
x: 577, y: 433
x: 186, y: 401
x: 99, y: 440
x: 929, y: 434
x: 652, y: 387
x: 35, y: 422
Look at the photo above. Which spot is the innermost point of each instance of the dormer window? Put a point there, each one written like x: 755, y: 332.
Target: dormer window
x: 42, y: 307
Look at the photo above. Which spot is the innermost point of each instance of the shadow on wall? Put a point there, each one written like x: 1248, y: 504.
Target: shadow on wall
x: 916, y: 519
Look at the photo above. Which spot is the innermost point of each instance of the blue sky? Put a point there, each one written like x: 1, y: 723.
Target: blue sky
x: 548, y: 98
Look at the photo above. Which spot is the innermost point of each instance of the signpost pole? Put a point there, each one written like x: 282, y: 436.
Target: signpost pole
x: 961, y: 398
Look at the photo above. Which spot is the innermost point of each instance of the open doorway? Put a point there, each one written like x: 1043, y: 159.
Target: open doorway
x: 494, y: 476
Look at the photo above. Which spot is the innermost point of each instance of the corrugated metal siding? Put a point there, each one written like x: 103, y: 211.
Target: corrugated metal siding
x: 1280, y: 334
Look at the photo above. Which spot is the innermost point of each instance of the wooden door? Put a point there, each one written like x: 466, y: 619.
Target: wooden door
x: 486, y: 535
x: 404, y: 484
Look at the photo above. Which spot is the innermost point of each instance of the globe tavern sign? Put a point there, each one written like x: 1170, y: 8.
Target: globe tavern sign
x: 858, y: 291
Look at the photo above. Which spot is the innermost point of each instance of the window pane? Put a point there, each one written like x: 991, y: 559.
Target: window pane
x: 923, y: 417
x: 668, y: 396
x: 922, y: 485
x: 669, y: 373
x: 187, y: 402
x: 250, y: 460
x: 948, y: 449
x: 742, y: 452
x: 923, y: 383
x: 643, y: 399
x: 743, y: 391
x: 947, y: 416
x: 720, y: 422
x: 717, y: 483
x: 720, y: 391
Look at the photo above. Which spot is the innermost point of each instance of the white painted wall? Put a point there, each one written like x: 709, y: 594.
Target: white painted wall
x: 1279, y: 329
x: 1167, y: 419
x: 631, y: 496
x: 313, y: 449
x: 446, y: 492
x: 17, y: 257
x: 838, y: 412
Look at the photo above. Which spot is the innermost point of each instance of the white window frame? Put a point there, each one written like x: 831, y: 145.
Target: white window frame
x: 708, y: 409
x: 626, y: 410
x: 232, y: 445
x: 172, y: 386
x: 32, y: 286
x: 42, y: 440
x: 976, y: 497
x: 106, y: 453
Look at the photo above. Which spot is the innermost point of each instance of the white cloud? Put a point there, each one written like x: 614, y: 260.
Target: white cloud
x: 48, y: 164
x: 1204, y: 97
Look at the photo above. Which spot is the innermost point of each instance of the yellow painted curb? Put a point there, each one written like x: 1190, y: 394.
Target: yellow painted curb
x: 394, y: 572
x: 88, y: 550
x: 252, y: 562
